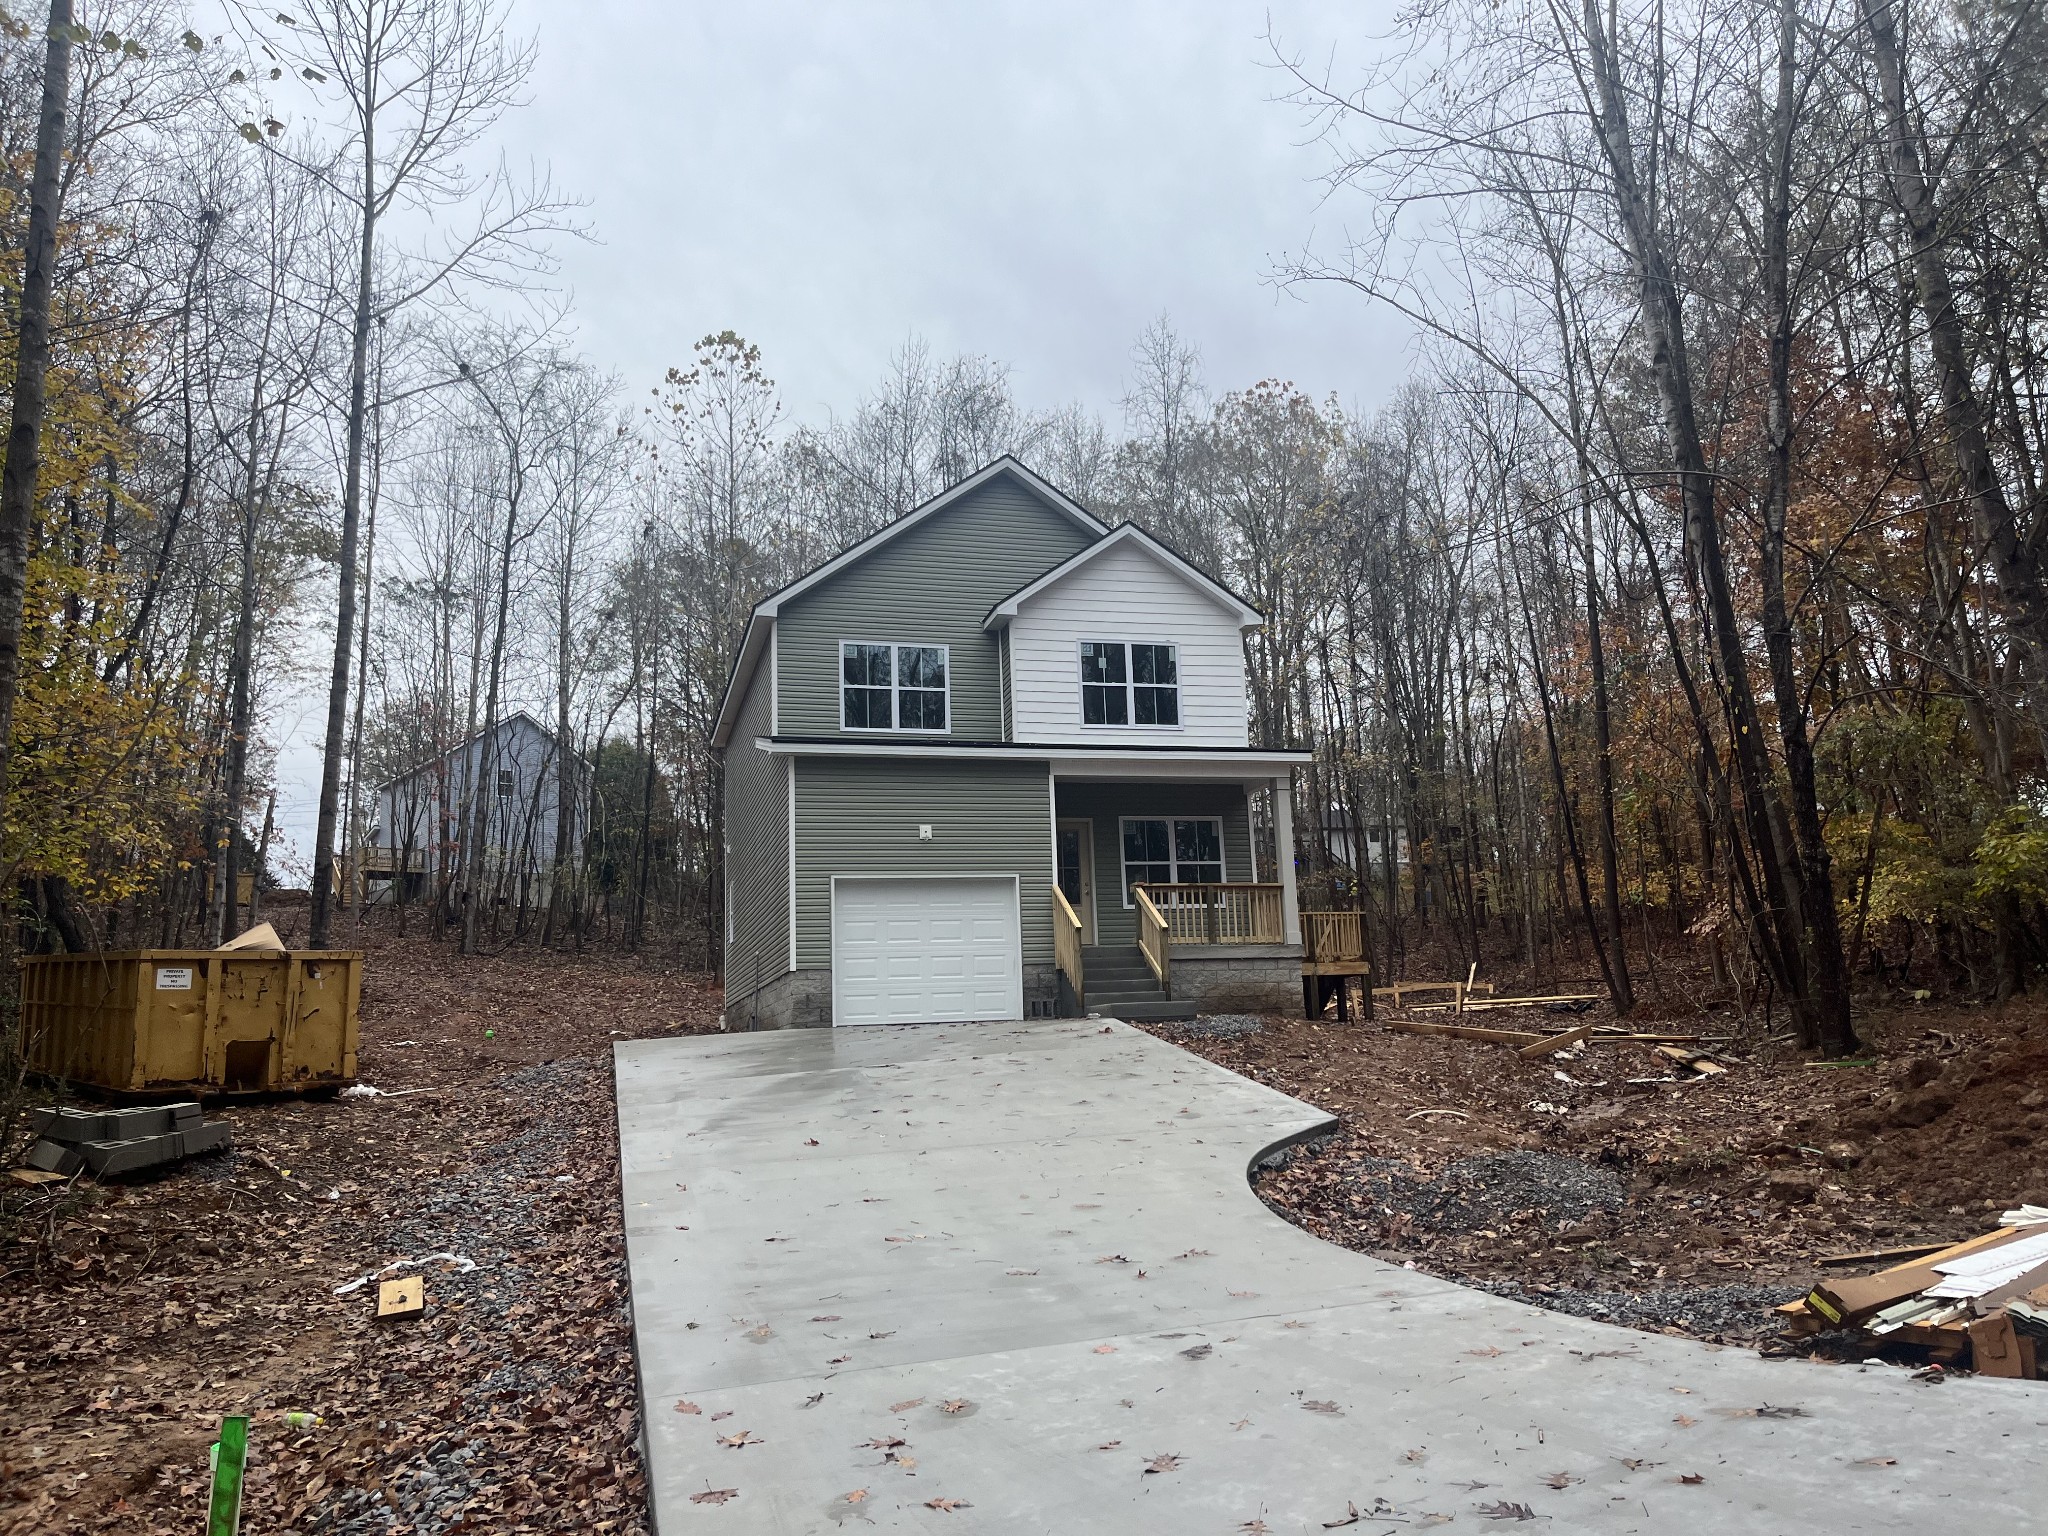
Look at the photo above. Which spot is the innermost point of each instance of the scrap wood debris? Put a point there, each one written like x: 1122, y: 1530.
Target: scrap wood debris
x: 1981, y: 1302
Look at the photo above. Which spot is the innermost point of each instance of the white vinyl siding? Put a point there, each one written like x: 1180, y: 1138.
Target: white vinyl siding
x: 1130, y: 596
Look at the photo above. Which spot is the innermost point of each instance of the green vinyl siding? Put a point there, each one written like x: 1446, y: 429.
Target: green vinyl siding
x: 859, y: 816
x: 933, y: 584
x: 757, y: 837
x: 1106, y: 804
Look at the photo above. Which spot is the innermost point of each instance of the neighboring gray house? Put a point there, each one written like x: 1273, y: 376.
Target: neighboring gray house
x: 993, y: 762
x: 416, y: 825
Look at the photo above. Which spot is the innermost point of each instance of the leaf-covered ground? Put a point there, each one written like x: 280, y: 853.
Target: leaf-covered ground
x: 1685, y: 1206
x: 136, y: 1315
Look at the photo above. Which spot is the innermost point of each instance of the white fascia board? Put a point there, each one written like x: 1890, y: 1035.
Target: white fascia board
x: 1247, y: 616
x: 752, y: 644
x: 1223, y: 762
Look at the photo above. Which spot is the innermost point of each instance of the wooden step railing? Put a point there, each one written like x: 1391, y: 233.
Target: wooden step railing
x: 1066, y: 945
x: 1219, y: 914
x: 1154, y: 938
x: 1332, y: 936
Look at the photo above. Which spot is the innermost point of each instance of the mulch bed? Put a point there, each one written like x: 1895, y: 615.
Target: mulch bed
x: 1688, y: 1206
x: 138, y: 1314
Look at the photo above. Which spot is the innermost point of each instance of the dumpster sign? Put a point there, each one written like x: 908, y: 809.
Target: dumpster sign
x: 174, y: 978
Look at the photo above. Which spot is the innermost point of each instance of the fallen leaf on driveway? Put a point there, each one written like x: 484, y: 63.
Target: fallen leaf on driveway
x: 1477, y: 1354
x: 1192, y: 1253
x: 1290, y: 1323
x: 744, y: 1438
x: 1107, y: 1445
x: 709, y: 1495
x: 1419, y: 1455
x: 1764, y: 1411
x: 1250, y: 1527
x: 829, y: 1317
x: 835, y: 1360
x: 854, y: 1497
x: 1351, y: 1516
x: 1691, y: 1477
x: 812, y: 1142
x: 1556, y: 1479
x: 1313, y: 1406
x: 887, y: 1334
x: 1162, y: 1464
x: 1199, y: 1352
x: 880, y: 1442
x: 1636, y: 1463
x: 810, y: 1402
x: 1868, y: 1461
x: 950, y: 1405
x: 1100, y: 1349
x: 1007, y: 1271
x: 762, y: 1332
x: 1507, y: 1511
x: 948, y: 1505
x: 1107, y: 1258
x: 1683, y: 1421
x: 681, y: 1407
x: 723, y: 1413
x: 903, y: 1407
x: 1240, y: 1295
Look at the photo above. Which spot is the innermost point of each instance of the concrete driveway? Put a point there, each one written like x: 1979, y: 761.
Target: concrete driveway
x: 1011, y: 1278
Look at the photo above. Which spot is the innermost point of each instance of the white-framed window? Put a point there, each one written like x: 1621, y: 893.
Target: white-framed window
x: 888, y: 687
x: 506, y: 783
x: 1126, y: 682
x: 1172, y: 850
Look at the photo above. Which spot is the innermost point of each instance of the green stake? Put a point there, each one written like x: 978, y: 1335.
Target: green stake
x: 224, y: 1515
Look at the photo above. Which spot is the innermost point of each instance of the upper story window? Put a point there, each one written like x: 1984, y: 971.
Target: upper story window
x: 506, y: 783
x: 1129, y: 683
x: 892, y: 687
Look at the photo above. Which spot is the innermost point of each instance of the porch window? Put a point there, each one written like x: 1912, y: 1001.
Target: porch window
x: 1176, y: 850
x: 892, y: 687
x: 1129, y: 683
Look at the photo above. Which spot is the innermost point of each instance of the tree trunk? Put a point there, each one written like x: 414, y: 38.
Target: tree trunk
x: 23, y: 470
x: 351, y: 520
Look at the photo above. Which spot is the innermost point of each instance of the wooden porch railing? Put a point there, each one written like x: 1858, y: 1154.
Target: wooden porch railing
x: 1066, y: 944
x: 1329, y: 936
x: 1219, y: 914
x: 1154, y: 939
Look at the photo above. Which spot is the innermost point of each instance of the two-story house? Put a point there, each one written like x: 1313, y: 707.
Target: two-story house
x: 993, y: 762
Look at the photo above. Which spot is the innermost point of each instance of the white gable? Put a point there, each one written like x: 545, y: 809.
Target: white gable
x: 1126, y: 593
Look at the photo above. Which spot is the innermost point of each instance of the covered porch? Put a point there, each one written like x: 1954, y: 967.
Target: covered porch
x: 1162, y: 901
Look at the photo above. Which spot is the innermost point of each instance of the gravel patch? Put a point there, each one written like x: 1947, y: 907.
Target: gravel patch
x: 1724, y: 1311
x: 1490, y: 1191
x: 1213, y: 1026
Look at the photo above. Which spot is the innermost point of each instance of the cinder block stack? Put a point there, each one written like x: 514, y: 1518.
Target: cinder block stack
x: 113, y: 1141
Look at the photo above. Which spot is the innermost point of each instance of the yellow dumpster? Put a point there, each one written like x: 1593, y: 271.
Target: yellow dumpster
x: 151, y: 1021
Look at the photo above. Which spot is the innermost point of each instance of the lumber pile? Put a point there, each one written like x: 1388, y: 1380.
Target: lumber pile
x: 1983, y: 1302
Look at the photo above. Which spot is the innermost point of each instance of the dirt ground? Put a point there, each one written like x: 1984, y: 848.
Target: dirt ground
x: 134, y: 1316
x: 1603, y: 1181
x: 1599, y: 1181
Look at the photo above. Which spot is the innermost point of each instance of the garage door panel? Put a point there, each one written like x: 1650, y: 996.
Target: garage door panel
x: 925, y: 950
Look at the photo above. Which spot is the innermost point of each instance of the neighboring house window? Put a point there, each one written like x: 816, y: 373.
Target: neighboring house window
x: 892, y: 687
x: 1176, y: 850
x: 504, y: 783
x: 1129, y: 684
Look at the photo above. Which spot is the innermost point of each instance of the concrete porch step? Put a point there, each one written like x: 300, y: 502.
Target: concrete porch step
x: 1158, y: 1011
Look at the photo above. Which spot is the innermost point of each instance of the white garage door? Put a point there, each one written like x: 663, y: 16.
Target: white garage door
x: 925, y: 950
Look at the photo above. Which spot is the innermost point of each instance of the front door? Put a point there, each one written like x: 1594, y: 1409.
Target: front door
x: 1076, y: 844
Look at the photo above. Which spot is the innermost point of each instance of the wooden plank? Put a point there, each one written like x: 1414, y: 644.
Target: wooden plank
x: 1515, y: 1002
x: 1874, y: 1255
x: 1466, y: 1032
x: 1853, y: 1300
x: 398, y: 1299
x: 1543, y: 1048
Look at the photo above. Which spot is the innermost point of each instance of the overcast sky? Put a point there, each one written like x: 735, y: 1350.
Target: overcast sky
x: 1032, y: 181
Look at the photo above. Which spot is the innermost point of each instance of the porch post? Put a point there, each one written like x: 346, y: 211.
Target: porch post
x: 1283, y: 855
